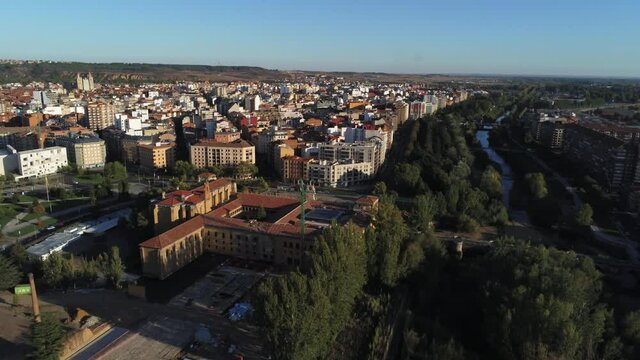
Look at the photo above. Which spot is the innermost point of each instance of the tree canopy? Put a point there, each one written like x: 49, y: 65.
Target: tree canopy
x: 47, y: 338
x: 9, y: 273
x: 303, y: 312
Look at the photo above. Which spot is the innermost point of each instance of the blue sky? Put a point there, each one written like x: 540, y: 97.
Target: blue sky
x: 543, y: 37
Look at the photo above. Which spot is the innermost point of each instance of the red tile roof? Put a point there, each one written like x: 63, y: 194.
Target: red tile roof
x: 194, y: 199
x: 369, y: 200
x: 179, y: 193
x: 257, y: 226
x: 268, y: 202
x: 214, y: 184
x: 169, y: 201
x: 172, y: 235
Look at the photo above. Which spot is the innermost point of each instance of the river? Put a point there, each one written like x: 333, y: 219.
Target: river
x: 505, y: 171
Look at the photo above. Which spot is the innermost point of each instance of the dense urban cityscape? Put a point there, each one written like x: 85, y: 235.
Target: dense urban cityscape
x: 167, y: 211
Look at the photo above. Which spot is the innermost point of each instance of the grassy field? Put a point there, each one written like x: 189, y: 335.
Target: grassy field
x: 32, y: 228
x: 8, y: 211
x: 89, y: 179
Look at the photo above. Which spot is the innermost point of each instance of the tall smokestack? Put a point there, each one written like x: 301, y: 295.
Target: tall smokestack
x: 34, y: 299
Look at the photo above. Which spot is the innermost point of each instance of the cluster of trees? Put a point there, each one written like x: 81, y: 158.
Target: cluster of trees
x: 543, y: 210
x: 47, y: 337
x: 60, y: 272
x: 114, y: 171
x: 303, y: 312
x: 10, y: 275
x: 434, y: 160
x: 517, y: 301
x: 591, y: 192
x: 36, y: 208
x: 61, y: 193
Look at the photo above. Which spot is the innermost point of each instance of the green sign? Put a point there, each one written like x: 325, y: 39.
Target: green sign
x: 22, y: 289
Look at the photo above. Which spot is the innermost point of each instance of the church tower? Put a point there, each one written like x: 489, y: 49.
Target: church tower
x: 208, y: 200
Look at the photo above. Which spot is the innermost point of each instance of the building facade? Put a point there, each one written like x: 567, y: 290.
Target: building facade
x: 182, y: 205
x: 85, y: 152
x: 231, y: 229
x: 211, y: 153
x: 360, y: 152
x: 294, y: 168
x: 85, y: 83
x: 156, y: 156
x: 40, y: 162
x: 100, y: 115
x: 611, y: 161
x: 343, y: 173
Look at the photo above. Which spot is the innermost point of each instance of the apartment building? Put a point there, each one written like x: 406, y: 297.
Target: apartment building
x: 86, y: 152
x: 267, y: 137
x: 360, y: 152
x: 294, y: 168
x: 612, y: 161
x: 226, y: 136
x: 40, y: 162
x: 100, y: 115
x: 343, y: 173
x: 212, y: 153
x: 156, y: 156
x: 551, y: 135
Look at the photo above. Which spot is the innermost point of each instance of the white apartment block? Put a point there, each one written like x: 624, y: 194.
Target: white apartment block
x: 130, y: 125
x: 40, y: 162
x: 343, y: 173
x: 360, y: 151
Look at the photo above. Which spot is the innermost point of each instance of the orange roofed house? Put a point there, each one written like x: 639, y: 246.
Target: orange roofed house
x: 250, y: 226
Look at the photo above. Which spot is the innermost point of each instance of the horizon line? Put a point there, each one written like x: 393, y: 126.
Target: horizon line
x: 458, y: 74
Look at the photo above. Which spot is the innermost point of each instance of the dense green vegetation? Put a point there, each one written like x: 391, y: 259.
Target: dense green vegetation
x: 62, y: 272
x: 434, y: 159
x: 515, y: 302
x: 303, y: 312
x: 510, y: 301
x: 9, y: 273
x: 47, y: 338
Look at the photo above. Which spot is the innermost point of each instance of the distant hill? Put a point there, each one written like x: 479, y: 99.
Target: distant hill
x: 65, y: 72
x: 137, y: 73
x: 131, y: 72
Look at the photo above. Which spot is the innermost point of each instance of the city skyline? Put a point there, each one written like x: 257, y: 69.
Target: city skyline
x: 496, y: 37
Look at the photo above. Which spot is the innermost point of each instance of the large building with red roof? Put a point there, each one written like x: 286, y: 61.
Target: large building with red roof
x: 249, y: 226
x: 181, y: 205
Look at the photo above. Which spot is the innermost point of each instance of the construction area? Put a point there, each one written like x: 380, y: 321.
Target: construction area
x: 219, y: 290
x: 207, y: 320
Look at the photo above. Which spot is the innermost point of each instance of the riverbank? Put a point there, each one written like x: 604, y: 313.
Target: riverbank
x: 506, y: 177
